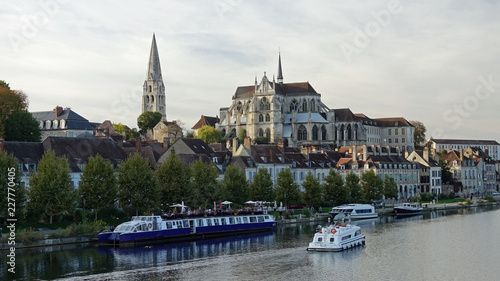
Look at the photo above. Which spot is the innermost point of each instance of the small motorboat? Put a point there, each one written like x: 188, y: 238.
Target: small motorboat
x: 337, y: 237
x: 408, y: 209
x: 355, y: 211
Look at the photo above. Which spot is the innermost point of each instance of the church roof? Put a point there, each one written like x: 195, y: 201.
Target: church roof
x: 154, y: 69
x: 299, y: 88
x: 465, y: 142
x: 344, y: 115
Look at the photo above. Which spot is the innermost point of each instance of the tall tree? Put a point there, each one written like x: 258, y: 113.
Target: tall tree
x: 203, y: 183
x: 22, y: 126
x: 334, y: 189
x: 242, y: 134
x: 418, y: 134
x: 50, y: 186
x: 98, y: 185
x: 312, y: 190
x: 209, y: 134
x: 137, y: 186
x: 11, y: 101
x: 173, y: 180
x: 390, y: 187
x: 287, y: 190
x: 446, y: 173
x: 261, y: 186
x: 235, y: 186
x: 10, y: 177
x: 147, y: 121
x: 372, y: 186
x: 353, y: 186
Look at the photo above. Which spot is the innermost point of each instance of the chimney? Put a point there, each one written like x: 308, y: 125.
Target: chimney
x: 406, y: 154
x: 247, y: 142
x: 58, y: 110
x: 235, y: 145
x: 1, y: 144
x: 354, y: 153
x: 281, y: 145
x: 398, y: 151
x: 365, y: 152
x: 426, y: 154
x: 166, y: 143
x: 228, y: 144
x: 271, y: 158
x: 486, y: 151
x: 461, y: 154
x: 388, y: 150
x: 138, y: 143
x: 305, y: 152
x: 379, y: 150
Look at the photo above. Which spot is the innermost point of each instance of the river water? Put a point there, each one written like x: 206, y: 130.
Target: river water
x: 452, y: 245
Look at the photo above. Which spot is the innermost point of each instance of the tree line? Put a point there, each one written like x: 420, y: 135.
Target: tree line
x: 137, y: 189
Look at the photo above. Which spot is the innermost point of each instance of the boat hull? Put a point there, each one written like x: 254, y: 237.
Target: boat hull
x: 345, y: 245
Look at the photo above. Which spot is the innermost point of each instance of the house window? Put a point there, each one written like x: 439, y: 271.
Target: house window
x: 403, y: 140
x: 390, y: 131
x: 395, y: 131
x: 403, y: 131
x: 396, y: 140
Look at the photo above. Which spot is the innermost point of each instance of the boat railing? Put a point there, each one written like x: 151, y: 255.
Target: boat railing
x: 209, y: 214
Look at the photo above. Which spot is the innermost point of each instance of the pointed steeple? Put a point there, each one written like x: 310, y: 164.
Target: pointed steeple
x: 280, y: 72
x: 154, y: 69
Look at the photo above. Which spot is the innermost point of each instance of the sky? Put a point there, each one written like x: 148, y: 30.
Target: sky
x: 433, y: 61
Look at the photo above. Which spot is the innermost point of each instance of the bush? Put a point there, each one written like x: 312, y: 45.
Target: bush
x: 451, y: 195
x: 306, y: 213
x: 490, y: 198
x: 25, y: 236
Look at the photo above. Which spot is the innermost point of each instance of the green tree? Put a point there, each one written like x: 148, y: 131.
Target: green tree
x: 261, y: 186
x: 11, y: 101
x: 22, y: 126
x: 418, y: 134
x: 98, y: 185
x: 137, y: 186
x: 190, y: 134
x: 173, y: 180
x: 334, y: 190
x: 312, y: 190
x: 148, y: 120
x: 119, y: 128
x: 209, y: 134
x: 203, y: 183
x: 287, y: 190
x: 353, y: 186
x: 50, y: 186
x: 446, y: 173
x: 242, y: 134
x: 372, y: 186
x: 234, y: 186
x: 390, y: 187
x: 10, y: 177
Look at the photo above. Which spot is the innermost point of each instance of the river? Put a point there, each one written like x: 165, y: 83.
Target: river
x: 452, y: 245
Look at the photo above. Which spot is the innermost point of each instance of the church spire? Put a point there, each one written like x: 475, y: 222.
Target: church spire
x: 154, y: 69
x: 280, y: 72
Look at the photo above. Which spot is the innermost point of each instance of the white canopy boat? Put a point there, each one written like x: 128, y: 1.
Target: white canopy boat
x: 337, y: 237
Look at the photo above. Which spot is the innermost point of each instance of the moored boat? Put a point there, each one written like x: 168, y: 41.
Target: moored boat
x: 337, y: 237
x: 355, y: 211
x: 155, y: 228
x: 408, y: 209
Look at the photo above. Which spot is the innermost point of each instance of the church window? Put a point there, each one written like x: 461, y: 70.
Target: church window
x: 323, y: 132
x: 147, y: 99
x: 302, y: 135
x: 261, y: 118
x: 315, y: 133
x: 239, y: 106
x: 349, y: 132
x: 264, y: 104
x: 261, y: 133
x: 150, y: 88
x: 313, y: 106
x: 268, y: 133
x: 304, y: 106
x: 294, y: 105
x: 152, y: 99
x: 268, y: 118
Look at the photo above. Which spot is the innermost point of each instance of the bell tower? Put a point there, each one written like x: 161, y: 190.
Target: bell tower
x: 153, y: 95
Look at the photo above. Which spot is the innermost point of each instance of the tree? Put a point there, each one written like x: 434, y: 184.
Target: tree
x: 10, y: 177
x: 242, y: 134
x: 287, y: 190
x: 209, y: 134
x: 372, y: 186
x: 418, y: 134
x: 203, y: 183
x: 390, y: 187
x: 137, y: 186
x: 148, y: 120
x: 446, y: 173
x: 22, y: 126
x: 173, y: 180
x: 50, y: 186
x: 234, y: 186
x: 312, y: 190
x: 261, y: 186
x: 334, y: 190
x: 353, y: 187
x: 11, y: 101
x: 98, y: 185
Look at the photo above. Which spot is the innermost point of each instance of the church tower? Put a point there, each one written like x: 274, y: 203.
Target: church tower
x: 153, y: 97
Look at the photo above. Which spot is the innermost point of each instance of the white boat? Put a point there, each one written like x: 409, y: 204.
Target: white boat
x: 356, y: 211
x: 337, y: 237
x: 408, y: 209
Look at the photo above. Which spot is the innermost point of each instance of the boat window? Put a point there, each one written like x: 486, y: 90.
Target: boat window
x: 135, y: 230
x: 216, y: 221
x: 346, y: 237
x: 179, y: 224
x: 129, y: 228
x: 231, y: 220
x: 169, y: 225
x: 252, y: 219
x: 139, y: 227
x: 209, y: 222
x: 223, y: 220
x: 260, y: 219
x: 348, y: 210
x: 332, y: 239
x: 186, y: 223
x: 238, y: 220
x: 267, y: 217
x: 135, y: 218
x: 200, y: 222
x: 245, y: 219
x: 320, y: 239
x: 358, y: 232
x: 143, y: 219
